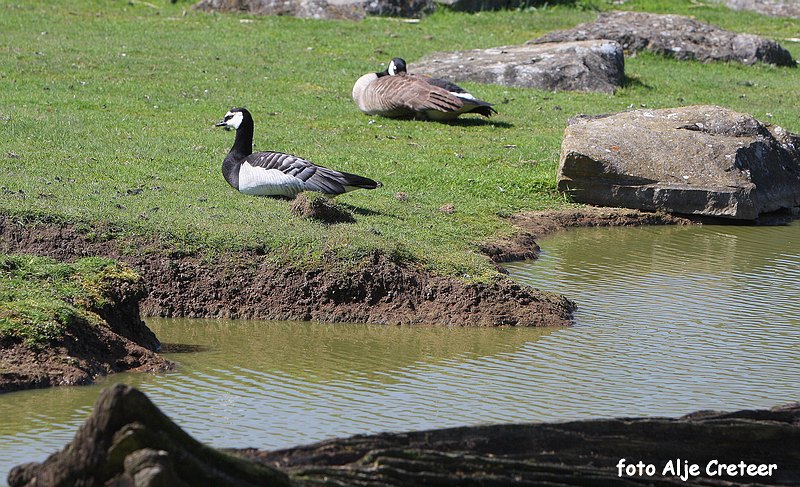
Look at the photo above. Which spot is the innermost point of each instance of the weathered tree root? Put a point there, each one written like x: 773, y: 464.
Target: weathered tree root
x: 579, y: 453
x: 128, y: 442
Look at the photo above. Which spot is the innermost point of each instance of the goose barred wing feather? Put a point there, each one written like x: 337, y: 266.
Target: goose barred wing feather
x: 285, y: 163
x: 298, y: 174
x: 405, y: 92
x: 443, y: 83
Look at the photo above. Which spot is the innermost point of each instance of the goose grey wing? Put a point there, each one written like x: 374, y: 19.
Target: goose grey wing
x: 288, y: 164
x: 304, y: 175
x: 274, y: 174
x: 443, y: 83
x: 394, y: 92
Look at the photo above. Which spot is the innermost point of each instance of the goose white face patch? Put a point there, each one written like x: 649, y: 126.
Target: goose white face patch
x: 392, y: 70
x: 233, y: 119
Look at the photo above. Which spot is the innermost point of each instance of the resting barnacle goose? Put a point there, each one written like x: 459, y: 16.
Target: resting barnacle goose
x: 277, y: 173
x: 395, y: 93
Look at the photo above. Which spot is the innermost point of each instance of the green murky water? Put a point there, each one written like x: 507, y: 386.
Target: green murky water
x: 670, y: 320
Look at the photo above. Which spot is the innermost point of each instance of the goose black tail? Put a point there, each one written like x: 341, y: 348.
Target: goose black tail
x: 356, y: 181
x: 485, y: 110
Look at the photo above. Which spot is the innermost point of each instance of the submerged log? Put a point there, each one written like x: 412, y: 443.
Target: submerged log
x: 127, y: 441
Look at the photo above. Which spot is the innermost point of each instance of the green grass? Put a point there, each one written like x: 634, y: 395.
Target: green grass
x: 40, y: 297
x: 107, y: 111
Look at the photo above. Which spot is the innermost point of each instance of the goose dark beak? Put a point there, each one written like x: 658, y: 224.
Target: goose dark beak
x: 223, y: 125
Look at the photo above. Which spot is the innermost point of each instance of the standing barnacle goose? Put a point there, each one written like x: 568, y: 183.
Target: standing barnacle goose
x: 276, y: 173
x: 395, y: 93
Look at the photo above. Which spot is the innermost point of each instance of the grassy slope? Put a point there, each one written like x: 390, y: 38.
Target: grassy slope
x: 106, y: 110
x: 40, y: 297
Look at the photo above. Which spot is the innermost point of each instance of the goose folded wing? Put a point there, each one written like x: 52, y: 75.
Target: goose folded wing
x: 313, y: 177
x: 445, y: 84
x: 414, y: 94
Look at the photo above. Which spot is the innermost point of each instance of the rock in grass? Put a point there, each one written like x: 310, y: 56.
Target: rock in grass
x: 675, y: 35
x: 323, y: 9
x: 595, y: 65
x: 699, y: 160
x: 320, y: 208
x: 488, y: 5
x: 315, y: 9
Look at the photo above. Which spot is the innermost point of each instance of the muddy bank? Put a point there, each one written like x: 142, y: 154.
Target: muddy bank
x: 104, y: 338
x: 127, y: 440
x: 248, y: 285
x: 531, y: 226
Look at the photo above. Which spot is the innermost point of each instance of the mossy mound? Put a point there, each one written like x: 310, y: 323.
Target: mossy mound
x: 66, y: 323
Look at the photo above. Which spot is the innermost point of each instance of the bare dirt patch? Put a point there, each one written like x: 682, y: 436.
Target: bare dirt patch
x: 248, y: 285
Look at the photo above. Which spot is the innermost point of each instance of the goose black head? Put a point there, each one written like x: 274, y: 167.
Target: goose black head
x: 396, y: 66
x: 233, y: 119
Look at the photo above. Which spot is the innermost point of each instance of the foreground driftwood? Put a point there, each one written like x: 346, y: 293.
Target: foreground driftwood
x: 127, y: 441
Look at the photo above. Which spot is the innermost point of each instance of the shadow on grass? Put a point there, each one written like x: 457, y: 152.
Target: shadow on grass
x: 635, y: 82
x: 362, y: 211
x: 477, y: 122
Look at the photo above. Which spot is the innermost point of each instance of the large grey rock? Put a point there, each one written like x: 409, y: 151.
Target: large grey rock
x: 571, y: 66
x: 399, y: 8
x: 774, y: 8
x: 323, y: 9
x: 699, y: 160
x: 677, y: 36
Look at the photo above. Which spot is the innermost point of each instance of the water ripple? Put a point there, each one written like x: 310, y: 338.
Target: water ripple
x: 670, y: 320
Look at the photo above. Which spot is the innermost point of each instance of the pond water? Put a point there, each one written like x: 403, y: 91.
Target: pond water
x: 670, y: 320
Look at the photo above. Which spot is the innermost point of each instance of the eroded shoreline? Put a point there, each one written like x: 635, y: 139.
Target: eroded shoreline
x: 245, y: 285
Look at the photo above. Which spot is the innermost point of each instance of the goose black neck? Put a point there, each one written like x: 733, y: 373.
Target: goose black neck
x: 243, y: 145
